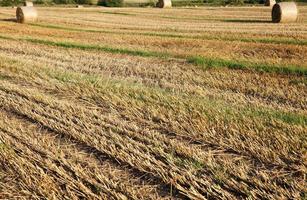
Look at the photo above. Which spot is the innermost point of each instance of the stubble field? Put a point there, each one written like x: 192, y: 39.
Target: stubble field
x: 145, y: 103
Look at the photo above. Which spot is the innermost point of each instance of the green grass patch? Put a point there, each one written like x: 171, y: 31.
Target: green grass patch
x: 286, y: 117
x: 287, y: 41
x: 4, y: 77
x: 6, y: 37
x: 206, y: 63
x: 272, y: 41
x: 290, y: 118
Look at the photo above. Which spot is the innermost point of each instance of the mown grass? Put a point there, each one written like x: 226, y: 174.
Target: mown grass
x: 287, y: 41
x: 178, y: 127
x: 148, y: 95
x: 290, y: 118
x: 71, y: 77
x: 168, y: 98
x: 286, y: 117
x: 205, y: 63
x: 196, y: 60
x: 158, y: 98
x: 140, y: 93
x: 202, y: 62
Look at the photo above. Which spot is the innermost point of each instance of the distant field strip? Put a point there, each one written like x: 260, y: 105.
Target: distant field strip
x: 256, y: 40
x: 197, y: 60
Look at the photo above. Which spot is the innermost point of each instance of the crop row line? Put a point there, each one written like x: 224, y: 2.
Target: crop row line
x: 172, y: 35
x: 77, y: 126
x: 200, y: 61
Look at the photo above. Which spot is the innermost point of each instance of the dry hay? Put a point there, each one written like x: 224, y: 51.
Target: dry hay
x: 284, y: 12
x: 26, y: 14
x: 164, y: 4
x: 270, y: 3
x: 79, y: 6
x: 71, y: 89
x: 28, y: 3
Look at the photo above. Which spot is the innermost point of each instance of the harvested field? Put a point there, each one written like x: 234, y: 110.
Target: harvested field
x: 144, y: 103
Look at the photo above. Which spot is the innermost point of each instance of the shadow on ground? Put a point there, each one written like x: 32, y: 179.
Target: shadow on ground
x: 246, y: 21
x: 9, y: 20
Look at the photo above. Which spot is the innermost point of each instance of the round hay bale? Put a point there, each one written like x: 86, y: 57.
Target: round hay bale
x: 79, y: 6
x: 26, y: 14
x: 284, y: 12
x: 270, y: 3
x: 28, y: 3
x: 164, y: 4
